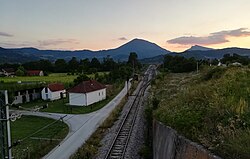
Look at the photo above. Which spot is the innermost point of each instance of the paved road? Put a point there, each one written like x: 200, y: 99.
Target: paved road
x: 80, y: 126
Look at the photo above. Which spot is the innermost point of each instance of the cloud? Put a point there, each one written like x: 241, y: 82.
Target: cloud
x: 11, y: 44
x: 41, y: 44
x: 57, y: 42
x: 5, y: 34
x: 122, y: 38
x: 212, y: 38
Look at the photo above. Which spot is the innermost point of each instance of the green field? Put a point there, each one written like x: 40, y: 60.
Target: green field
x: 56, y: 77
x: 31, y: 147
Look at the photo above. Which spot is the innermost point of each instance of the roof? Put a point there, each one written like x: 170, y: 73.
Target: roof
x: 34, y: 72
x: 56, y: 87
x: 86, y: 87
x: 9, y: 70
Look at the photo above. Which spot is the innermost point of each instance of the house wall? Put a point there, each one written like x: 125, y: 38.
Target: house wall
x: 96, y: 96
x: 52, y: 95
x: 46, y: 96
x: 56, y: 95
x: 77, y: 99
x: 41, y: 73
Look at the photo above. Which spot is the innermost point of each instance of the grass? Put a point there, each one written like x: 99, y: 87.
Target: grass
x: 211, y: 108
x: 54, y: 77
x: 61, y: 106
x: 33, y: 148
x: 48, y: 79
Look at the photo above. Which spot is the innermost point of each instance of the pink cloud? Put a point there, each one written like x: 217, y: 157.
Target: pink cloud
x: 212, y: 38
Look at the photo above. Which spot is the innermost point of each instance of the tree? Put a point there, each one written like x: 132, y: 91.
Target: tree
x: 20, y: 71
x: 81, y: 78
x: 179, y: 64
x: 95, y: 63
x: 46, y: 66
x: 133, y: 61
x: 84, y: 65
x: 108, y: 64
x: 73, y: 64
x: 60, y: 65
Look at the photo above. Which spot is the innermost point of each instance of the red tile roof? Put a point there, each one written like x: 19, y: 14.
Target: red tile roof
x: 9, y: 70
x: 33, y: 72
x: 86, y: 87
x: 56, y: 87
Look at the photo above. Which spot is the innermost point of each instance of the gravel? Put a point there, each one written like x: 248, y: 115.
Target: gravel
x: 137, y: 138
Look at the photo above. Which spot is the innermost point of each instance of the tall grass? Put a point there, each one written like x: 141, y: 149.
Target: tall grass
x: 212, y: 109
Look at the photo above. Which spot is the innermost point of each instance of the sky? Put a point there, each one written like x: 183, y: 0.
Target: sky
x: 104, y: 24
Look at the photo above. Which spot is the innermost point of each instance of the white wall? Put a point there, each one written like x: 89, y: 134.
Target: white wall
x: 52, y: 95
x: 77, y: 99
x: 56, y: 95
x: 44, y: 97
x: 96, y: 96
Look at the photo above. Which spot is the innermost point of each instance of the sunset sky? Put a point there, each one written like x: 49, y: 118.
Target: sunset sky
x: 103, y: 24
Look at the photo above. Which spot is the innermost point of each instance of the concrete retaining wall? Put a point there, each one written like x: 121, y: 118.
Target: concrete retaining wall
x: 167, y: 144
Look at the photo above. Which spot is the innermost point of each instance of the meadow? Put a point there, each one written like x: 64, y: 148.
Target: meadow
x: 31, y: 146
x: 55, y: 77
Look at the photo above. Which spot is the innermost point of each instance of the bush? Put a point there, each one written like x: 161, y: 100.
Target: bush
x: 215, y: 73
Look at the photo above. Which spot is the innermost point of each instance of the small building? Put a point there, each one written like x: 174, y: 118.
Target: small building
x: 86, y: 93
x: 35, y: 73
x: 53, y: 91
x: 236, y: 64
x: 26, y: 95
x: 7, y: 72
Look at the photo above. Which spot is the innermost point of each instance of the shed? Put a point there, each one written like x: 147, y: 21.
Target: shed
x: 53, y: 91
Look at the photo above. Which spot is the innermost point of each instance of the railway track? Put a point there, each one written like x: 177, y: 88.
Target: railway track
x: 119, y: 145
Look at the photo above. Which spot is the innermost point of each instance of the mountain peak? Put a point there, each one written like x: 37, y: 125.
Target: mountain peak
x: 143, y: 48
x: 199, y: 48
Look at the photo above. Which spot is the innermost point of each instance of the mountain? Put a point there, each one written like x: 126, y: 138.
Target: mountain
x: 198, y: 54
x: 198, y: 48
x: 143, y: 48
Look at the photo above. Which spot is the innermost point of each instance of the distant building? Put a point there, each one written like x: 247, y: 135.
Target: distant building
x: 7, y: 72
x: 53, y: 91
x: 86, y: 93
x: 35, y: 73
x: 236, y: 64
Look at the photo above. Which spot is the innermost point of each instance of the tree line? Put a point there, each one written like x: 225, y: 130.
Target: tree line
x: 116, y: 70
x: 178, y: 64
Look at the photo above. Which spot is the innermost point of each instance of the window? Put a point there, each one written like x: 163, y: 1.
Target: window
x: 102, y: 93
x: 99, y: 93
x: 46, y: 90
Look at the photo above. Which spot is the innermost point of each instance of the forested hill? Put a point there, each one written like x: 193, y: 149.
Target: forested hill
x: 143, y: 48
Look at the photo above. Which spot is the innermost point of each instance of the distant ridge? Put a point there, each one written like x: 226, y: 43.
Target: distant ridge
x: 199, y: 48
x: 143, y: 48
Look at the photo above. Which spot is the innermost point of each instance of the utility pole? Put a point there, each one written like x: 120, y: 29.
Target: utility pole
x: 197, y: 66
x: 133, y: 68
x: 5, y: 127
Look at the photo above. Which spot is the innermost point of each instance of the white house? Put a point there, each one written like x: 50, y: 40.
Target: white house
x: 7, y: 72
x: 53, y: 91
x: 86, y: 93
